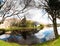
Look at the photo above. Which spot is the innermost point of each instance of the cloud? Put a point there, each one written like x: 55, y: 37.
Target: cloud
x: 38, y: 15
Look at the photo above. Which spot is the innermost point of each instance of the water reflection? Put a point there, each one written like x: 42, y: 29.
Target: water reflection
x: 43, y: 35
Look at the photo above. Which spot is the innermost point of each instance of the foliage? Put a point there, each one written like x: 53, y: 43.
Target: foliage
x: 10, y: 5
x: 21, y: 23
x: 29, y: 25
x: 2, y: 31
x: 41, y: 26
x: 3, y: 43
x: 52, y: 7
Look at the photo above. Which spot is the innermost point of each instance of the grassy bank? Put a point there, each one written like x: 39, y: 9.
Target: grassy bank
x: 50, y: 43
x: 3, y: 43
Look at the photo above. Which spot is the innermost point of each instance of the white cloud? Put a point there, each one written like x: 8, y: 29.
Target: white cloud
x: 58, y: 20
x: 37, y: 15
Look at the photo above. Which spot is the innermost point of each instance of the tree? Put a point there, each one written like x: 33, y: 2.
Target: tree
x: 27, y: 27
x: 14, y: 8
x: 23, y: 22
x: 10, y: 8
x: 52, y: 7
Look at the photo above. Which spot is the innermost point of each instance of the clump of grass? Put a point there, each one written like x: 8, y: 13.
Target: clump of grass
x: 3, y: 43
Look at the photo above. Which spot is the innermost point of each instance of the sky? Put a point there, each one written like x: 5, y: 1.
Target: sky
x: 38, y: 15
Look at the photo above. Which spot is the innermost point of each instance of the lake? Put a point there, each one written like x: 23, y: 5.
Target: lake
x: 43, y: 35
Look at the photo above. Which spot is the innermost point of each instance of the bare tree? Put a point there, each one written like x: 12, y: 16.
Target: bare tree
x: 10, y: 8
x: 52, y: 7
x: 16, y: 7
x: 13, y: 7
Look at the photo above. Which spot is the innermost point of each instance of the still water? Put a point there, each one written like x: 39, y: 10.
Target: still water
x: 43, y: 35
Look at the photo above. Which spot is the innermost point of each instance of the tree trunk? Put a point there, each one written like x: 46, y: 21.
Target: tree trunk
x: 55, y: 27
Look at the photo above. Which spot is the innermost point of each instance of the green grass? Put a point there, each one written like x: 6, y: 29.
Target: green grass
x: 3, y: 43
x: 49, y: 43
